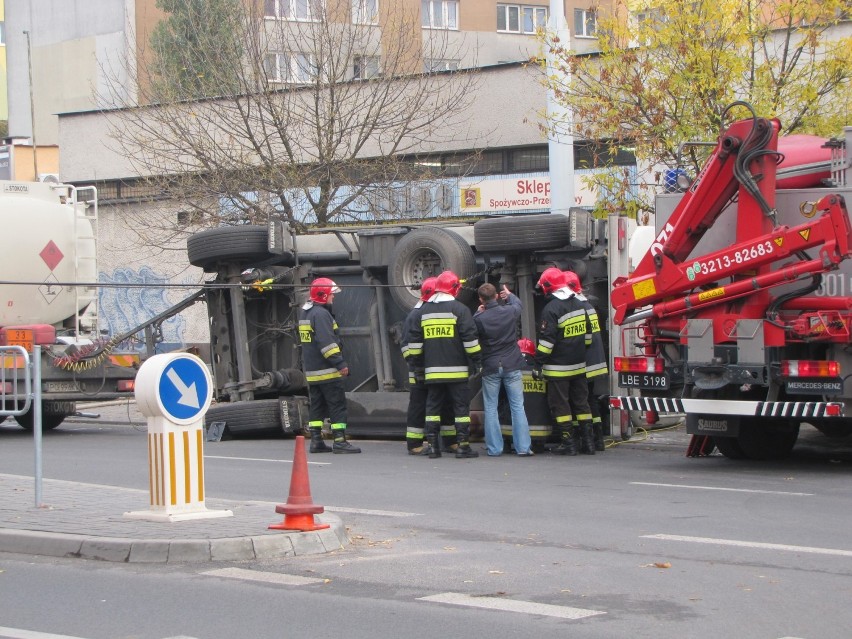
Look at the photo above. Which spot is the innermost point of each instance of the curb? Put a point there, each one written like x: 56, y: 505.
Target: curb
x: 287, y: 544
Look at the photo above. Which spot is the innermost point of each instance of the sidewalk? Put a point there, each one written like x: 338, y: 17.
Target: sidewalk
x: 87, y: 521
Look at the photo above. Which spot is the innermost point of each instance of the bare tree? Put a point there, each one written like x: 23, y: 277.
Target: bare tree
x: 320, y: 119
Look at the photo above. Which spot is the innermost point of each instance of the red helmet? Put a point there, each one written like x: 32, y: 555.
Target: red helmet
x: 573, y: 281
x: 527, y: 346
x: 322, y: 288
x: 448, y: 282
x: 551, y: 280
x: 427, y: 288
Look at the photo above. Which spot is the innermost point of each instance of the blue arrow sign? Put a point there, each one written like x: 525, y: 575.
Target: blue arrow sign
x: 183, y: 388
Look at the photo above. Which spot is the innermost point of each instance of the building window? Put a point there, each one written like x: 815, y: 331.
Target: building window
x: 528, y: 159
x: 515, y: 18
x: 303, y: 10
x: 585, y: 23
x: 431, y: 65
x: 290, y: 67
x: 365, y: 67
x: 2, y: 34
x: 439, y: 14
x: 365, y: 11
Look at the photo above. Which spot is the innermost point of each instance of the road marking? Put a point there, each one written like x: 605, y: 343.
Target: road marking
x: 368, y: 511
x: 752, y: 544
x: 18, y: 633
x: 512, y: 605
x: 262, y: 459
x: 343, y: 509
x: 730, y: 490
x: 266, y: 577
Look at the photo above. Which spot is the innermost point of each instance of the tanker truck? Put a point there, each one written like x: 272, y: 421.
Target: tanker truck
x: 739, y: 315
x: 48, y: 297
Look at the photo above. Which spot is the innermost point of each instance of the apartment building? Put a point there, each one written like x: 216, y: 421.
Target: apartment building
x: 80, y: 51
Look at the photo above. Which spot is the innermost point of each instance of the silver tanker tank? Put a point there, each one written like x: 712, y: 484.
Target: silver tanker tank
x: 48, y: 246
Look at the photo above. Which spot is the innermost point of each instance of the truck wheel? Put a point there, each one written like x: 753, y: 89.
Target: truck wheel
x: 521, y: 233
x: 426, y: 252
x: 50, y: 416
x: 763, y: 441
x: 211, y: 247
x: 255, y: 417
x: 729, y: 447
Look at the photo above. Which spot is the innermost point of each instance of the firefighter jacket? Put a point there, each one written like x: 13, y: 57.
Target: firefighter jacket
x: 498, y: 335
x: 444, y: 342
x: 410, y: 320
x: 595, y: 353
x: 563, y: 333
x: 322, y: 359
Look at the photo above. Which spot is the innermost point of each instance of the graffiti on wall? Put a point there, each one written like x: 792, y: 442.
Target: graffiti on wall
x: 133, y: 298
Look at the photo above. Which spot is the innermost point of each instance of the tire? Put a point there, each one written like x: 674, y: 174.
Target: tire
x: 426, y: 252
x: 49, y: 420
x: 243, y: 244
x: 521, y: 233
x: 729, y: 447
x: 260, y: 416
x: 761, y: 441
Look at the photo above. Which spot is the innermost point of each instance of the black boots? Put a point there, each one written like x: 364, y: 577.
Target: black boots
x: 597, y: 429
x: 567, y: 444
x: 587, y: 438
x: 317, y: 443
x: 341, y: 446
x: 464, y: 451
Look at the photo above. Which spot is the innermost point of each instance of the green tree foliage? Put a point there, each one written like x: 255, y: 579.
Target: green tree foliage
x: 666, y: 72
x: 196, y: 49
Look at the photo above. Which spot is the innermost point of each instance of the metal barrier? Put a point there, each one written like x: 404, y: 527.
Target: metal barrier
x: 20, y: 390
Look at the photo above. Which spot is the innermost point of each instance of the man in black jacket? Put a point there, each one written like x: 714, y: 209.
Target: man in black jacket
x: 444, y: 343
x: 324, y: 368
x: 501, y: 366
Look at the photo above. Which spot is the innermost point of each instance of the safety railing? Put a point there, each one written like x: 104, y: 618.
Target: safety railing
x: 20, y: 391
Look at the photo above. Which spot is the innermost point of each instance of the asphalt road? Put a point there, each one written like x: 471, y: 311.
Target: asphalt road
x: 639, y: 541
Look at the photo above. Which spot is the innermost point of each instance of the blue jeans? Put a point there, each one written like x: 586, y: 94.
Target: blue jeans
x: 512, y: 381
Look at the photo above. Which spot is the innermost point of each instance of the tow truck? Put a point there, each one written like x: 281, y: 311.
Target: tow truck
x: 733, y: 316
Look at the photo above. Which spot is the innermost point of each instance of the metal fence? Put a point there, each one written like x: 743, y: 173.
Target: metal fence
x: 20, y: 391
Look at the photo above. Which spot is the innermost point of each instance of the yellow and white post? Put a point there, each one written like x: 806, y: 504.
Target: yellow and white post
x: 174, y: 392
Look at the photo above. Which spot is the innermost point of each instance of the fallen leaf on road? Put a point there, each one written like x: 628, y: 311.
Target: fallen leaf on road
x: 662, y: 564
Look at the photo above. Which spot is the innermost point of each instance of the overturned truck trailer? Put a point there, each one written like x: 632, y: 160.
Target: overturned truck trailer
x: 262, y: 275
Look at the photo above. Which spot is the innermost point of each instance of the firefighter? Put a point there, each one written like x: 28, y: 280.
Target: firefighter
x: 535, y: 398
x: 595, y: 359
x: 445, y: 343
x: 324, y: 368
x: 561, y: 360
x: 414, y: 432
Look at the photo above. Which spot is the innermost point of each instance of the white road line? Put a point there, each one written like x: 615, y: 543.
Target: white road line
x: 18, y: 633
x: 731, y: 490
x: 263, y: 459
x: 512, y: 605
x: 752, y: 544
x: 343, y: 509
x: 265, y: 577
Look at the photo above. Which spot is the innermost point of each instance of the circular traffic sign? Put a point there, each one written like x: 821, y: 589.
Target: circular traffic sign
x: 175, y: 386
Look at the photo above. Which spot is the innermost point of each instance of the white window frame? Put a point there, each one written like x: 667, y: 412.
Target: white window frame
x: 448, y: 18
x: 515, y: 18
x: 365, y: 11
x: 292, y: 67
x: 371, y: 63
x: 582, y: 18
x: 295, y: 10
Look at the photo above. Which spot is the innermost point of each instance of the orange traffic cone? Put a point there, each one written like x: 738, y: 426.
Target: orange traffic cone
x: 300, y: 509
